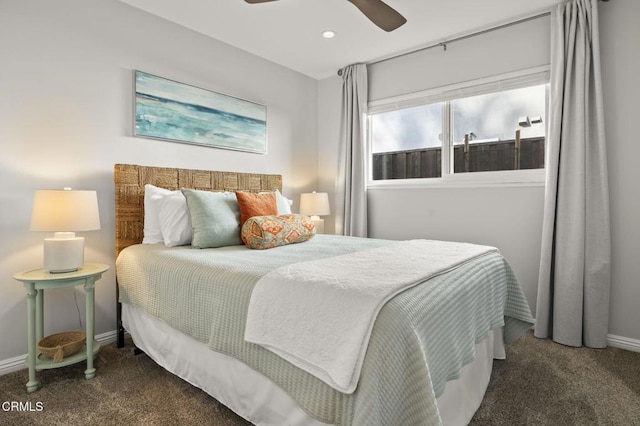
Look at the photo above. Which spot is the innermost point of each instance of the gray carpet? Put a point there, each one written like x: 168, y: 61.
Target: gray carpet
x: 540, y: 383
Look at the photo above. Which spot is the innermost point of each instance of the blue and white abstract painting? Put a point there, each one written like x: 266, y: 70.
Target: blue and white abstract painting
x: 166, y: 109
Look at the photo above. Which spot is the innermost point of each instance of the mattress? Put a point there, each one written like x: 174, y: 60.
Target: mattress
x: 421, y: 339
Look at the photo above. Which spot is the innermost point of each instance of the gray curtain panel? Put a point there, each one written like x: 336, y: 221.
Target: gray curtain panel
x: 574, y: 279
x: 353, y: 172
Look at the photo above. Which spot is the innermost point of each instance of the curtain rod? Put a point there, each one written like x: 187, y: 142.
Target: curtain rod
x: 444, y: 44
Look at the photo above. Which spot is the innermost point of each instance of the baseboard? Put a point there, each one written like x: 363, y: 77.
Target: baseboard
x: 106, y: 338
x: 18, y: 363
x: 623, y: 343
x: 12, y: 364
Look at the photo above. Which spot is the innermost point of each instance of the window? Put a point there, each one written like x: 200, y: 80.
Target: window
x: 407, y: 143
x: 490, y: 127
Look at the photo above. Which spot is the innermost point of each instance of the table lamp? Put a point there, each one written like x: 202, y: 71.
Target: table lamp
x: 64, y: 212
x: 315, y: 204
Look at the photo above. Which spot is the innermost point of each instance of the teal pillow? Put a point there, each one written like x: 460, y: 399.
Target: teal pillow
x: 215, y: 218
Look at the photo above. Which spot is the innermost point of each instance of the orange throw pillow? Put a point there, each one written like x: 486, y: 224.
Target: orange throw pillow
x: 263, y: 204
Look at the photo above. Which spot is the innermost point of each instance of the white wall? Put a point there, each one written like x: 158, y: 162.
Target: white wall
x: 66, y: 118
x: 329, y: 111
x: 620, y: 72
x: 514, y: 48
x: 508, y: 218
x: 511, y: 217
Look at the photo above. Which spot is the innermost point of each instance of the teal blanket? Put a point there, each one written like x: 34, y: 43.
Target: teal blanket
x: 421, y: 338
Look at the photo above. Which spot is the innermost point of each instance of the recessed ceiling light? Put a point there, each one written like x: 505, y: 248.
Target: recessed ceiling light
x: 328, y: 34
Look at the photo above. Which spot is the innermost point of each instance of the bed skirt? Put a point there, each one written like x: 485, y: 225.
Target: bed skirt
x: 257, y: 399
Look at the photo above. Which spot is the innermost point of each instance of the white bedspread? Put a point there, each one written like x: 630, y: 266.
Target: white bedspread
x: 319, y: 314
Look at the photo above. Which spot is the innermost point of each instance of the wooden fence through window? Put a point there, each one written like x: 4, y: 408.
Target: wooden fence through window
x: 481, y: 156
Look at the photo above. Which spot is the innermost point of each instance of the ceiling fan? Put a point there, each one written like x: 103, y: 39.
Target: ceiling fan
x: 378, y: 12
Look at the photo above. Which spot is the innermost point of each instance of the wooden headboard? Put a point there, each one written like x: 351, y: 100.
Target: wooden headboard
x: 130, y: 179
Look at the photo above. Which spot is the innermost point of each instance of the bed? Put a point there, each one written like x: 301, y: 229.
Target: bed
x: 413, y: 372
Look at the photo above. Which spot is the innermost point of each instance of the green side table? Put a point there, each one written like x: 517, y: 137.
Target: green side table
x: 38, y: 280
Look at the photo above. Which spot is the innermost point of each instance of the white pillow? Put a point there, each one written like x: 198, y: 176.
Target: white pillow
x: 283, y: 203
x: 174, y: 220
x: 153, y: 195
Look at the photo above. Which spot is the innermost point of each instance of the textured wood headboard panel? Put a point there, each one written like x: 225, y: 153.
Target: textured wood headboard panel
x: 130, y: 180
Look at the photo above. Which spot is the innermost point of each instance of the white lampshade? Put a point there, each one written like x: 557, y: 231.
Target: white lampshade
x: 315, y: 204
x: 64, y: 212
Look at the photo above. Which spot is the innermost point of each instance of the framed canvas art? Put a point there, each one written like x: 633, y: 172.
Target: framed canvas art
x: 168, y: 110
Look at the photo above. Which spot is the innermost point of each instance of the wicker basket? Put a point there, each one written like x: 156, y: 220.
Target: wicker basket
x: 59, y: 345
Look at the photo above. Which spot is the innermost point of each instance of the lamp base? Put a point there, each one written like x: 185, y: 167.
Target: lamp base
x: 319, y: 224
x: 63, y: 253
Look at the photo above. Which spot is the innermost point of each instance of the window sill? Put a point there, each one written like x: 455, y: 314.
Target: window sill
x: 519, y: 178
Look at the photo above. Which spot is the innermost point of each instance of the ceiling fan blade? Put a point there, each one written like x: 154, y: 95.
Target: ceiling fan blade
x: 380, y: 13
x: 258, y: 1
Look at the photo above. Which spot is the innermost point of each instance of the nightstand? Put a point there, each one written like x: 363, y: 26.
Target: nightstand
x: 38, y: 280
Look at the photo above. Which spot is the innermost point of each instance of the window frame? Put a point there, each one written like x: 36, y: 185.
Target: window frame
x: 498, y: 83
